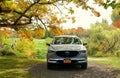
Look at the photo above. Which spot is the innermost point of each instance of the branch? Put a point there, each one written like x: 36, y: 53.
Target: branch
x: 44, y: 3
x: 58, y: 8
x: 21, y: 14
x: 43, y: 24
x: 8, y: 11
x: 25, y: 12
x: 18, y: 24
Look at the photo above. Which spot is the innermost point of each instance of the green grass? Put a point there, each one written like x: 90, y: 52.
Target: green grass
x: 14, y: 67
x: 109, y: 61
x: 41, y: 47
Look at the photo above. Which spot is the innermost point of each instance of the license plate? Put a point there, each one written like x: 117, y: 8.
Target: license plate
x: 67, y: 61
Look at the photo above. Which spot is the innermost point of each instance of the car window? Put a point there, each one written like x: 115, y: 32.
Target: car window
x: 66, y: 40
x: 57, y: 40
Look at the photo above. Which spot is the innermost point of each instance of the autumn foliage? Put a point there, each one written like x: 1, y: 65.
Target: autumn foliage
x: 55, y: 31
x: 6, y: 31
x: 27, y: 34
x: 117, y: 24
x: 39, y: 32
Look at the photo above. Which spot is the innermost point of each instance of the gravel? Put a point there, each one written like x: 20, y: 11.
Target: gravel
x: 93, y: 71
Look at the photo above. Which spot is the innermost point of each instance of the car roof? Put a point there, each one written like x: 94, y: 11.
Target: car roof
x: 66, y: 36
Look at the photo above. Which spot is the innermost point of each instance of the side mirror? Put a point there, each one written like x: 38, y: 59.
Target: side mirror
x: 84, y: 44
x: 48, y: 44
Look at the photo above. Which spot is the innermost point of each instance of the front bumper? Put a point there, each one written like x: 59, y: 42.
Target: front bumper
x: 73, y: 60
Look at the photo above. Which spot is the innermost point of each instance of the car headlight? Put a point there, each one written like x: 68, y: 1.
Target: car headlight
x: 50, y: 51
x: 83, y: 51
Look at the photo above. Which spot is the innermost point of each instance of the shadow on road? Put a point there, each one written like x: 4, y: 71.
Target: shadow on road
x: 93, y: 71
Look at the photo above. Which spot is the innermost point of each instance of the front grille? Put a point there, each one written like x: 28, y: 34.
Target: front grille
x: 67, y: 53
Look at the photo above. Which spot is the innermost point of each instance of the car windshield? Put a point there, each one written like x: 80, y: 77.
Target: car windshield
x: 66, y: 40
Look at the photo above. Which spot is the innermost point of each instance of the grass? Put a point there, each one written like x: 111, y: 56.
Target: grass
x: 113, y: 62
x: 41, y: 47
x: 14, y: 67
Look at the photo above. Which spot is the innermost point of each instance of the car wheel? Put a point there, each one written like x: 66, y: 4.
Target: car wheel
x: 49, y: 66
x: 84, y: 66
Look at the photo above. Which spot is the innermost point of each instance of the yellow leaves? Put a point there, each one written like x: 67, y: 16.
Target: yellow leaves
x: 6, y: 31
x: 118, y: 1
x: 27, y: 34
x: 55, y: 30
x: 26, y: 47
x: 39, y: 32
x: 71, y: 11
x: 55, y: 20
x: 85, y: 7
x: 117, y: 11
x: 73, y: 20
x: 101, y: 2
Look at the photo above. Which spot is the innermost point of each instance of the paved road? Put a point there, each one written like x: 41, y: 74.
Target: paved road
x: 93, y: 71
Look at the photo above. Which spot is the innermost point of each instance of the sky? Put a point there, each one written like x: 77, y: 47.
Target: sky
x: 86, y: 18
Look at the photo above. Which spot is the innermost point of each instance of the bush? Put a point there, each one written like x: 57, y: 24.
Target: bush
x: 6, y: 51
x: 117, y: 53
x: 91, y: 51
x: 26, y: 47
x: 48, y: 40
x: 41, y: 54
x: 99, y: 54
x: 109, y: 54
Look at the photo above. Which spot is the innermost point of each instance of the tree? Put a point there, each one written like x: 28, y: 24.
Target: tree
x: 104, y: 39
x: 19, y: 13
x: 26, y: 33
x: 39, y: 32
x: 116, y: 16
x: 55, y: 31
x: 117, y: 23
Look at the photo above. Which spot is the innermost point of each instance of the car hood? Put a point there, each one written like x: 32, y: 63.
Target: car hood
x: 67, y: 47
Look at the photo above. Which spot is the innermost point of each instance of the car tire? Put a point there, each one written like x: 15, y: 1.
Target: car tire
x: 49, y: 66
x: 84, y: 66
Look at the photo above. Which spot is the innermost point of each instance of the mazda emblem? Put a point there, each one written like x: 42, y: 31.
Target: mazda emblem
x: 67, y: 53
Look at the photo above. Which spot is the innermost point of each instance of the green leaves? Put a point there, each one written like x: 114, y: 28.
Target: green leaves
x: 112, y: 4
x: 71, y: 11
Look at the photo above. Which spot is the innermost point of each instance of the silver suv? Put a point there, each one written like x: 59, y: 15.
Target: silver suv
x: 66, y: 49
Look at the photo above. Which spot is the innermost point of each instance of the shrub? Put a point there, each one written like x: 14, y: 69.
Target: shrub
x: 41, y: 54
x: 48, y: 40
x: 99, y: 54
x: 26, y: 47
x: 117, y: 53
x: 109, y: 54
x: 6, y: 50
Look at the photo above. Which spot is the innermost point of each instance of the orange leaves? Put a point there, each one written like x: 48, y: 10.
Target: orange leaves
x: 27, y: 34
x: 73, y: 31
x: 101, y: 2
x: 55, y: 20
x: 6, y: 31
x: 117, y: 24
x: 39, y: 32
x: 55, y: 30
